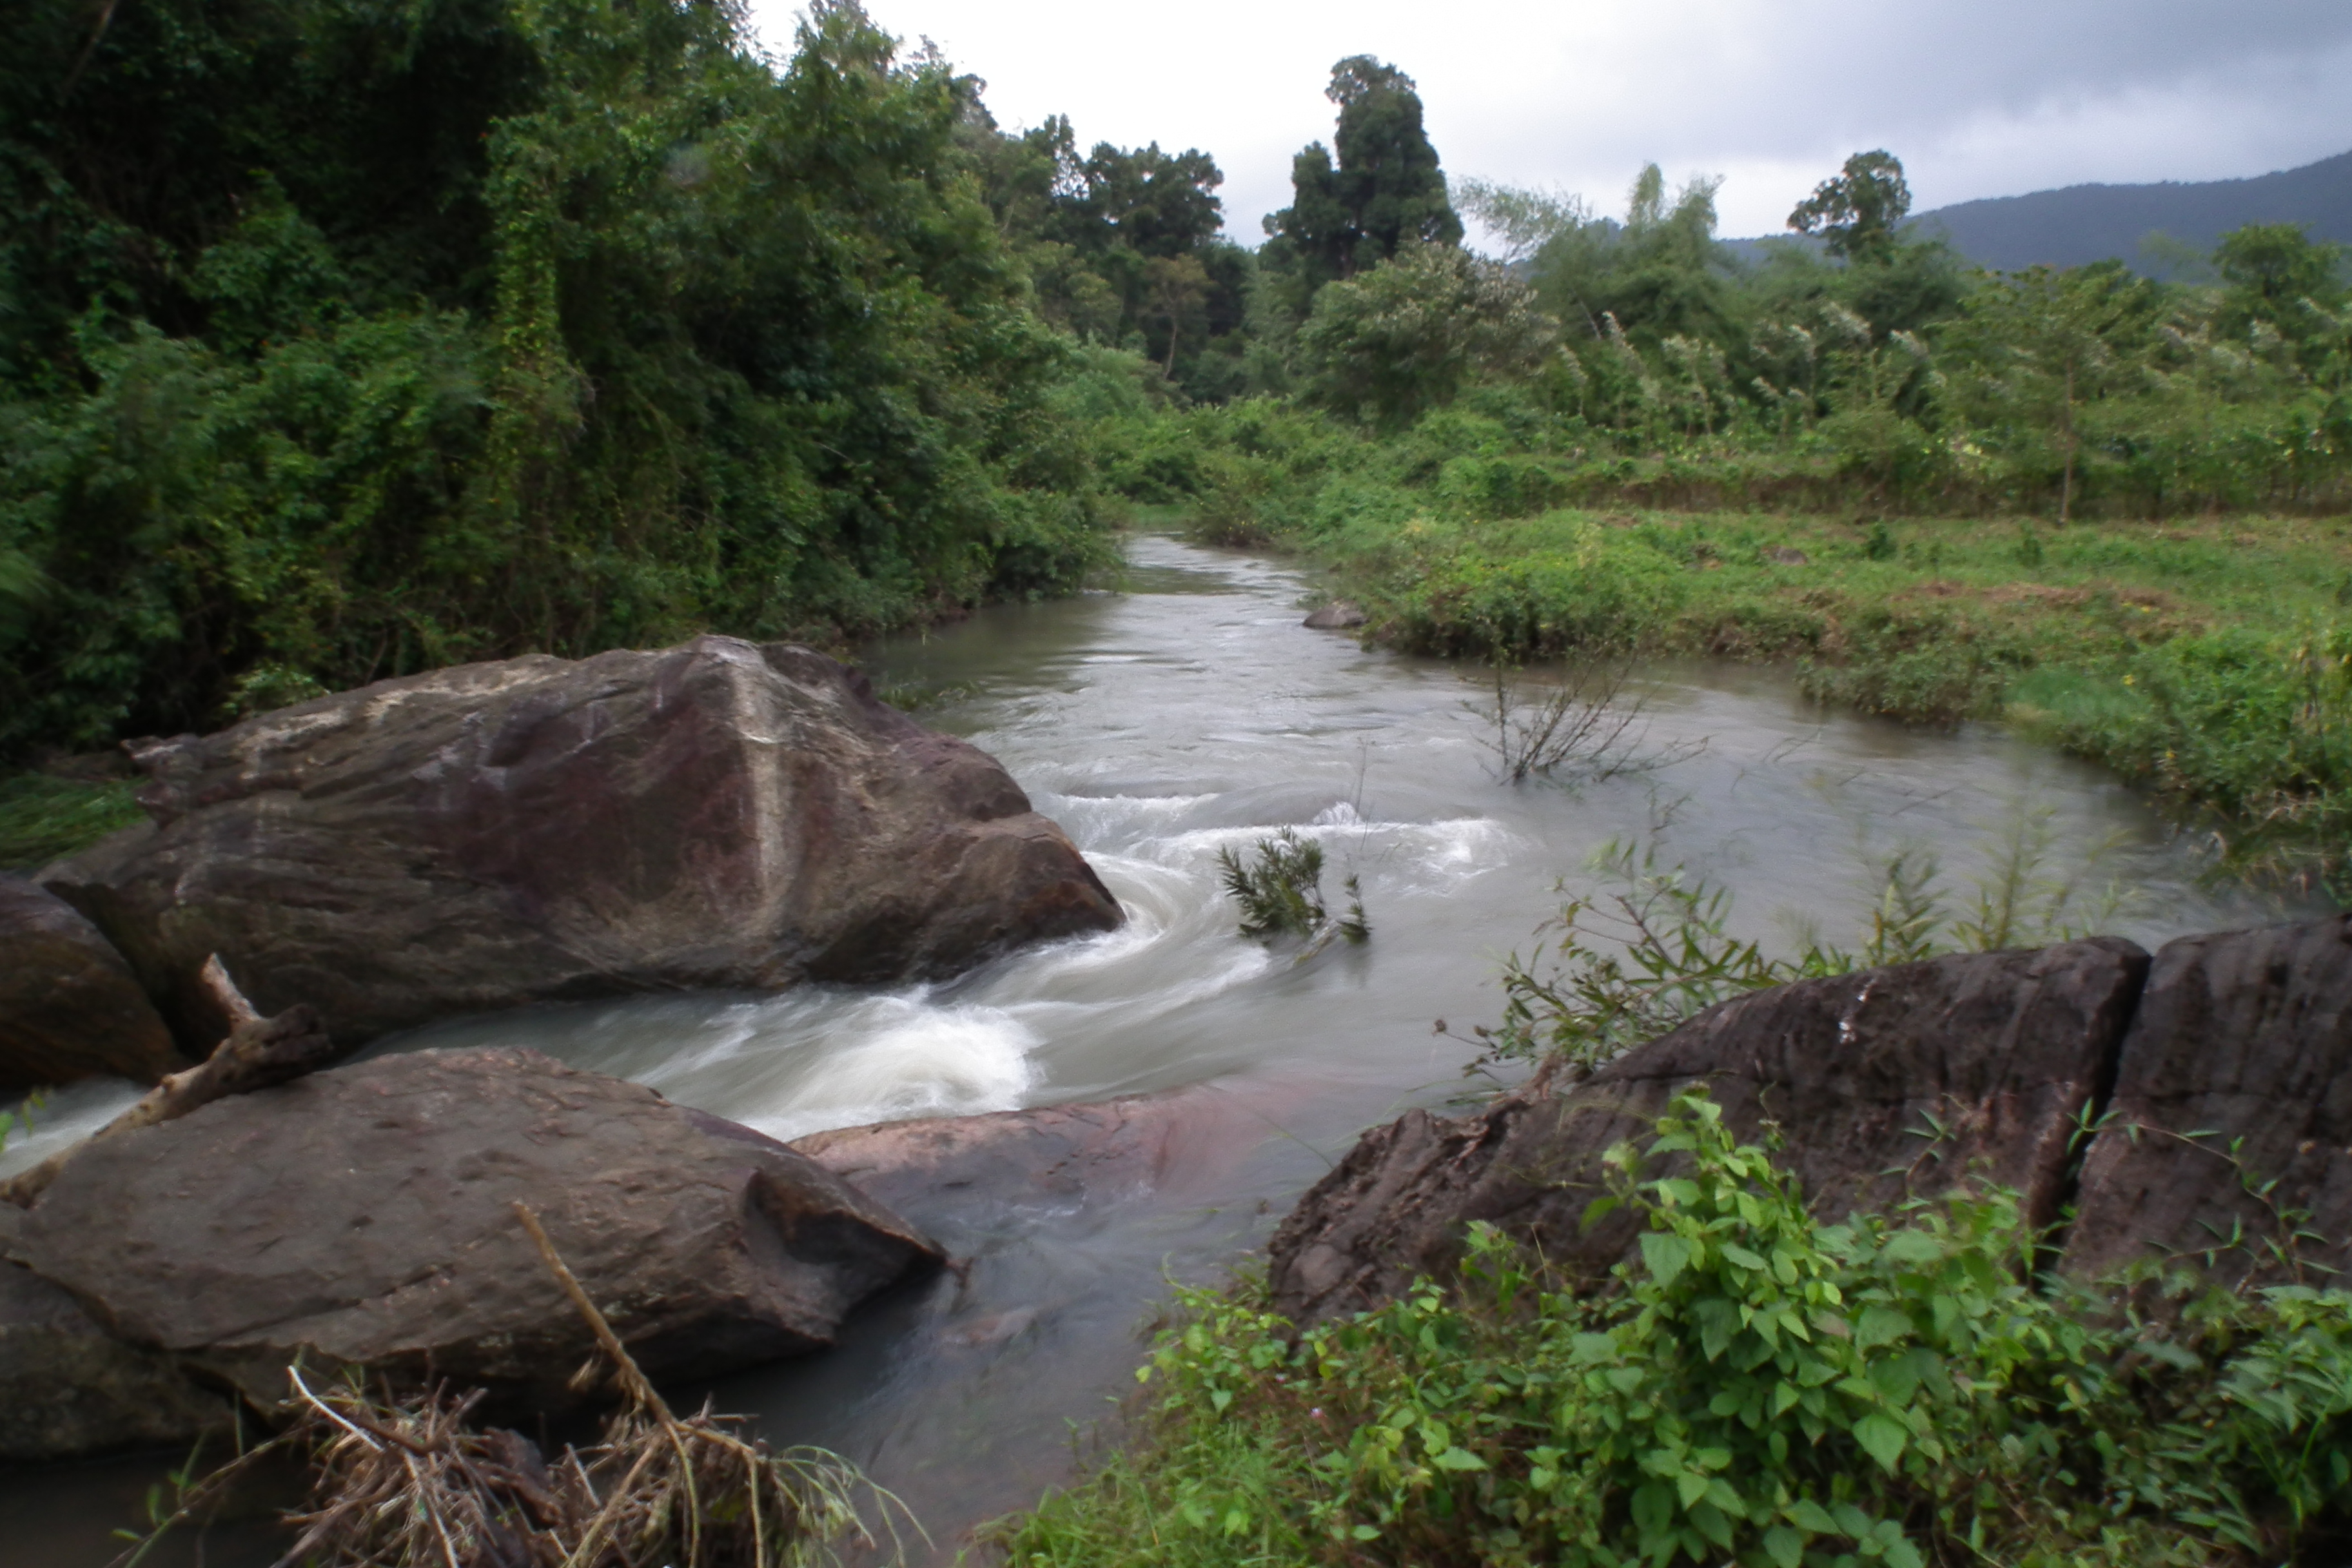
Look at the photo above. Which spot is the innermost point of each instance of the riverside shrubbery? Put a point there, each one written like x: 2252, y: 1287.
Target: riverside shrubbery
x: 1758, y: 1387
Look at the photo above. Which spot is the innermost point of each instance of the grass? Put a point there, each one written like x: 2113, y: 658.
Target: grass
x: 2209, y: 659
x: 44, y: 819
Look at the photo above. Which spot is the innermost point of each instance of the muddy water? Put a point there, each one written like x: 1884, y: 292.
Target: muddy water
x: 1187, y: 714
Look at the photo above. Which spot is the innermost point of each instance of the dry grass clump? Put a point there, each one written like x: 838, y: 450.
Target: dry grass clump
x: 411, y: 1483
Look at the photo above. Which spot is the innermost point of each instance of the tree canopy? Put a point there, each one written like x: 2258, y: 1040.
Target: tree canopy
x: 1385, y: 189
x: 338, y: 342
x: 1859, y: 211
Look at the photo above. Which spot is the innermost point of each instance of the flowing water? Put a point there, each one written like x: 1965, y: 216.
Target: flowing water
x: 1189, y: 713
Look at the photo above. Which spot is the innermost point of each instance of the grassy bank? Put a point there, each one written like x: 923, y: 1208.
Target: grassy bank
x: 44, y: 818
x: 2210, y: 660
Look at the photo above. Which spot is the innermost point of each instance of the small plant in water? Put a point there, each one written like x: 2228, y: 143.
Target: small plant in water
x: 1574, y: 728
x: 1281, y: 893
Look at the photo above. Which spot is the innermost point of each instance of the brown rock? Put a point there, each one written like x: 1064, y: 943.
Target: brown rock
x: 1105, y: 1151
x: 69, y: 1006
x: 2002, y: 1051
x: 362, y: 1216
x: 68, y: 1387
x: 717, y: 814
x: 2236, y: 1074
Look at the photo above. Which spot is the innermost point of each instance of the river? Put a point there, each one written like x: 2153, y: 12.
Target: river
x: 1190, y: 712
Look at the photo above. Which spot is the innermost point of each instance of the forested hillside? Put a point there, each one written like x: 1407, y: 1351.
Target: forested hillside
x: 338, y: 341
x: 2083, y: 224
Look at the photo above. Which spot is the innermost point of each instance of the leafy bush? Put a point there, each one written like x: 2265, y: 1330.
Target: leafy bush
x: 1758, y: 1387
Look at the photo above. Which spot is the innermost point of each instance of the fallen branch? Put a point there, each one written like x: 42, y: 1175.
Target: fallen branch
x: 259, y: 1052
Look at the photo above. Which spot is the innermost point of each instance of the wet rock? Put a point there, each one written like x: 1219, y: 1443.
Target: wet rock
x: 68, y: 1387
x: 2236, y: 1075
x: 943, y: 1168
x: 362, y: 1216
x: 69, y: 1006
x: 714, y: 814
x: 1889, y: 1083
x: 1340, y: 615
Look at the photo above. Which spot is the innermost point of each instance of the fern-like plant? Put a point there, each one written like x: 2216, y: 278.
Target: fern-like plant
x: 1280, y: 893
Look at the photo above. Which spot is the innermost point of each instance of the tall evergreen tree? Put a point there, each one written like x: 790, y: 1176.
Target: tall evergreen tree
x: 1385, y: 189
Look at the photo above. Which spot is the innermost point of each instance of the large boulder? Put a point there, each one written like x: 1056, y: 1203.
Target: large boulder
x: 69, y: 1387
x: 1886, y: 1084
x: 363, y: 1216
x: 69, y: 1006
x: 714, y: 814
x: 2227, y: 1144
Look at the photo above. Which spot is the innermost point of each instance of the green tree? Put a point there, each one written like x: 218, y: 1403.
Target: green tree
x: 2277, y: 274
x: 1384, y: 191
x: 2037, y: 345
x: 1408, y: 335
x: 1858, y: 212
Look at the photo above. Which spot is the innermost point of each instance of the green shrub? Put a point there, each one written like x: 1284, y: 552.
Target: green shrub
x: 1758, y: 1388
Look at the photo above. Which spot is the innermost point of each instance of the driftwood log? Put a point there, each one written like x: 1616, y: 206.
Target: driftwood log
x: 258, y: 1052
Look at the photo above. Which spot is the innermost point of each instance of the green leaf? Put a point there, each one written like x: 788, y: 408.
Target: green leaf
x: 1460, y: 1460
x: 1811, y: 1518
x: 1914, y: 1246
x: 1881, y: 1326
x: 1784, y: 1546
x: 1742, y: 1256
x: 1664, y: 1255
x: 1690, y: 1487
x: 1365, y: 1533
x: 1882, y: 1438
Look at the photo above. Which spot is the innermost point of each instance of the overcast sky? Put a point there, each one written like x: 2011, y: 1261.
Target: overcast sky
x: 1979, y: 98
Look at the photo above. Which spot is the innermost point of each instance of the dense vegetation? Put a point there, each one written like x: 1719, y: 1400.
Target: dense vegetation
x: 338, y: 341
x: 1762, y: 1389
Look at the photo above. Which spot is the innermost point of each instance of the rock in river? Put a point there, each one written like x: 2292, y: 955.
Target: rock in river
x: 1338, y: 616
x: 1888, y: 1083
x: 714, y: 814
x: 363, y: 1216
x: 70, y: 1006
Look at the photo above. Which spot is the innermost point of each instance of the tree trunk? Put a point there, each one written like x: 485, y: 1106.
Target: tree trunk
x: 2067, y: 428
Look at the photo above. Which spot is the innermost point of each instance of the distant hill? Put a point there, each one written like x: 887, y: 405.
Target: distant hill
x: 2089, y: 222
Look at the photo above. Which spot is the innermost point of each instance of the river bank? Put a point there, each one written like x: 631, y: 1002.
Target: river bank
x: 2205, y: 659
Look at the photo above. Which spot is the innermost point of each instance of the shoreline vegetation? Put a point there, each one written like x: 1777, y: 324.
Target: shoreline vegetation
x: 2208, y: 659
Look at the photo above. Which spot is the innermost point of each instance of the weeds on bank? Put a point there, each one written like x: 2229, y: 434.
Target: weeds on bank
x: 1758, y: 1388
x: 44, y: 819
x: 1626, y: 964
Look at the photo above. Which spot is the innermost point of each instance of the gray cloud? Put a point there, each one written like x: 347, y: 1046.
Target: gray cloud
x: 1982, y: 99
